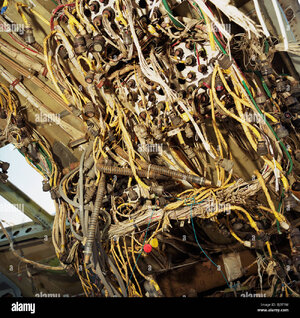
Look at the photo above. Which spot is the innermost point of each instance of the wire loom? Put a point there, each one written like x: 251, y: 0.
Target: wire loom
x: 158, y: 96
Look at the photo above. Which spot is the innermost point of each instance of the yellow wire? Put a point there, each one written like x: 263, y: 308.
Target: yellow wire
x: 128, y: 142
x: 241, y: 100
x: 278, y: 216
x: 40, y: 16
x: 178, y: 159
x: 269, y: 249
x: 88, y: 62
x: 210, y: 33
x: 81, y: 17
x: 120, y: 15
x: 11, y: 105
x: 284, y: 180
x: 234, y: 234
x: 136, y: 265
x: 73, y: 22
x: 122, y: 263
x: 217, y: 133
x: 251, y: 221
x: 49, y: 67
x: 129, y: 264
x: 240, y: 120
x: 18, y: 7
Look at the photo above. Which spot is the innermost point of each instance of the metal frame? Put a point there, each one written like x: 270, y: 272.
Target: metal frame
x: 42, y: 221
x: 22, y: 232
x: 15, y: 196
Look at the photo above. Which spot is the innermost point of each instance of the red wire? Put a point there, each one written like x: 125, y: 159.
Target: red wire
x: 197, y: 54
x: 206, y: 85
x: 22, y: 44
x: 176, y: 43
x: 221, y: 35
x: 101, y: 83
x: 55, y: 11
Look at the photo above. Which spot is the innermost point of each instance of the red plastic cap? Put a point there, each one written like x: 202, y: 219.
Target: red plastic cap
x: 147, y: 248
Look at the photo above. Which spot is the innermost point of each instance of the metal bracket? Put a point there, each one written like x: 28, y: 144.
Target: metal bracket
x: 14, y: 195
x: 24, y: 232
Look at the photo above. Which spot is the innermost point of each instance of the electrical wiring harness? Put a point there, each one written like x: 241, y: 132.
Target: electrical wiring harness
x: 187, y: 125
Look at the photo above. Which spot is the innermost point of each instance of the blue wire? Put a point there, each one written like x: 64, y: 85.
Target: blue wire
x: 3, y: 10
x: 234, y: 286
x: 192, y: 204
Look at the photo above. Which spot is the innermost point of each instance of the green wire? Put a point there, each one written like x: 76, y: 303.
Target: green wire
x: 281, y: 144
x: 251, y: 97
x: 202, y: 16
x: 264, y: 84
x: 272, y: 130
x: 46, y: 157
x: 175, y: 21
x: 266, y: 46
x: 215, y: 38
x: 266, y: 89
x: 219, y: 45
x: 36, y: 165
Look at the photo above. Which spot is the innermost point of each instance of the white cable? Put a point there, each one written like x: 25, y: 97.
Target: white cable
x: 293, y: 195
x: 259, y: 271
x: 260, y: 18
x: 203, y: 7
x: 156, y: 3
x: 233, y: 14
x: 34, y: 101
x: 148, y: 72
x: 276, y: 171
x: 281, y: 24
x: 294, y: 48
x: 204, y: 142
